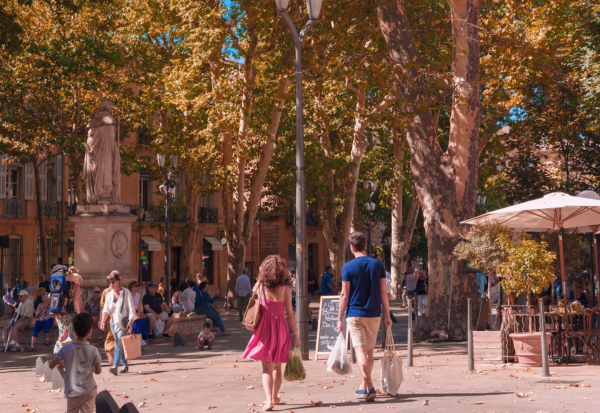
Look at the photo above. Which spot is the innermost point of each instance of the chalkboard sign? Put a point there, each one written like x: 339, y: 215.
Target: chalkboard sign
x: 327, y: 332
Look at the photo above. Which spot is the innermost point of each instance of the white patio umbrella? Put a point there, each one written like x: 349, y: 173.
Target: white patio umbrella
x: 556, y: 211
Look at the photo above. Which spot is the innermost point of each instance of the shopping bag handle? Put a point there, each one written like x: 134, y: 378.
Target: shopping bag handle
x: 389, y: 340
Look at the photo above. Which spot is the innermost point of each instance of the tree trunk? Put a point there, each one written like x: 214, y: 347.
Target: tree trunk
x: 190, y: 229
x: 76, y: 168
x: 446, y: 182
x: 240, y: 208
x: 40, y: 215
x: 402, y: 232
x: 337, y: 235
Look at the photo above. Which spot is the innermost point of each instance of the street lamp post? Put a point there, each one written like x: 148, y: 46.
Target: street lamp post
x: 140, y: 214
x: 370, y: 207
x: 314, y: 9
x: 168, y: 191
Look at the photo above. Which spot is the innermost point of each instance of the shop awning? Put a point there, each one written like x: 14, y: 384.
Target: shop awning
x: 153, y: 245
x: 216, y: 244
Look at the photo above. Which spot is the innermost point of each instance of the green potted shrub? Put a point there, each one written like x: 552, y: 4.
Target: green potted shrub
x: 529, y: 268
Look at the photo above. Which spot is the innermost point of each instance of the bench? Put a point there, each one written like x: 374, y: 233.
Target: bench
x: 184, y: 323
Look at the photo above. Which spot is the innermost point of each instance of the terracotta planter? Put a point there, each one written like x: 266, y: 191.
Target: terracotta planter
x: 528, y: 348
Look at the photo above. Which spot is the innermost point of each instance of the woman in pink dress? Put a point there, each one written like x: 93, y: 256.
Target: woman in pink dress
x: 271, y: 340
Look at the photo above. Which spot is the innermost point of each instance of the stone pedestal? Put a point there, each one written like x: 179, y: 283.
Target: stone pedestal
x: 103, y: 243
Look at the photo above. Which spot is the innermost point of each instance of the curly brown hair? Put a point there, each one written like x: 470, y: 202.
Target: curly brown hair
x: 272, y: 272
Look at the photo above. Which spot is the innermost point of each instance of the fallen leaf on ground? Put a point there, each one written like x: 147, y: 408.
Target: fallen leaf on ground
x: 426, y: 403
x: 315, y: 404
x: 573, y: 385
x: 24, y: 405
x: 142, y: 404
x: 479, y: 402
x: 250, y: 387
x: 327, y: 387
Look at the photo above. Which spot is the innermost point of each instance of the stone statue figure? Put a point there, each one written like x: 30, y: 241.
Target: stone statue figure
x: 102, y: 163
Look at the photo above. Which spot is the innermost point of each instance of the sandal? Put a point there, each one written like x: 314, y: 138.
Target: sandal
x: 268, y: 407
x: 277, y: 400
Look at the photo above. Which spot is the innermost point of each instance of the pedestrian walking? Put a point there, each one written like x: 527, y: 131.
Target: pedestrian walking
x: 361, y: 301
x: 270, y: 342
x: 109, y: 343
x: 327, y: 287
x: 411, y: 283
x: 243, y: 288
x: 119, y: 304
x: 422, y: 287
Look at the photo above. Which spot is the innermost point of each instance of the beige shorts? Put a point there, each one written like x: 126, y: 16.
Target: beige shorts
x: 363, y: 331
x: 82, y: 404
x: 164, y: 316
x: 23, y: 323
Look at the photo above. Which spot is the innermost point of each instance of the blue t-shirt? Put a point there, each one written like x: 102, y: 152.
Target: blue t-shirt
x: 364, y: 275
x: 324, y: 281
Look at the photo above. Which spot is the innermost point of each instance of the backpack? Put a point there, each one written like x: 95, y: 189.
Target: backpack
x: 15, y: 292
x: 59, y: 288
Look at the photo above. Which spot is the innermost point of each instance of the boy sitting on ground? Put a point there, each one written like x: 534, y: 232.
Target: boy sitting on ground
x: 80, y: 360
x: 206, y: 337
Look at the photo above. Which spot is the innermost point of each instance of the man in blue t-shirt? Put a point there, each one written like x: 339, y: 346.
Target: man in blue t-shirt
x: 327, y: 282
x: 363, y: 294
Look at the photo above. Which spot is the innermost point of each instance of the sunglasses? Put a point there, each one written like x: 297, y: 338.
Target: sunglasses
x: 111, y: 282
x: 96, y: 292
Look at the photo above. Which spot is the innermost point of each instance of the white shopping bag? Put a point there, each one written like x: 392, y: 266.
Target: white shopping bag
x: 391, y: 366
x: 158, y: 327
x: 338, y: 359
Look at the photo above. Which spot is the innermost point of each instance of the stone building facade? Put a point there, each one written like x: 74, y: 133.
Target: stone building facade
x: 18, y: 220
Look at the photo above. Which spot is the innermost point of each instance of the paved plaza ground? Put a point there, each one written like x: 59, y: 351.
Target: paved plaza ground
x: 170, y: 379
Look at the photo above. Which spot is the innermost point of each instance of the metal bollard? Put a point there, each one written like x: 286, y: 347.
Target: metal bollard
x: 545, y: 368
x: 409, y: 339
x: 470, y: 337
x: 416, y: 305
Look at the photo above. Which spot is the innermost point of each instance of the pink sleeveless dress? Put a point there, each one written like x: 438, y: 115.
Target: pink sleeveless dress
x: 271, y: 340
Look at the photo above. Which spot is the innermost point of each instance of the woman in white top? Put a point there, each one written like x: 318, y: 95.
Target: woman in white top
x: 119, y: 304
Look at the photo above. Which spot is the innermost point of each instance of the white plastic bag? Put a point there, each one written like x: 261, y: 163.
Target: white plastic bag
x: 391, y: 366
x: 338, y: 359
x: 158, y: 327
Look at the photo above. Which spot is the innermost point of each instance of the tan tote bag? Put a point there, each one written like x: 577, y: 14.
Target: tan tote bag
x: 252, y: 314
x: 132, y: 345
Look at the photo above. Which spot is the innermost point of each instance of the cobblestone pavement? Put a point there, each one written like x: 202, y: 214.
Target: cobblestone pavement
x: 169, y: 379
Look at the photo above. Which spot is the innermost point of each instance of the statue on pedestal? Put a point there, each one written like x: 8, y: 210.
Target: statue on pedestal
x: 102, y: 163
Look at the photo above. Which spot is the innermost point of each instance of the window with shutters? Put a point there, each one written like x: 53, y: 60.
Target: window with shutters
x: 29, y: 185
x: 13, y: 183
x: 3, y: 171
x: 12, y: 260
x: 44, y: 178
x: 52, y: 252
x: 144, y: 186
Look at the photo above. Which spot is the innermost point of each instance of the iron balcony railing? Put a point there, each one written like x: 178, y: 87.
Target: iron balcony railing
x: 50, y: 209
x: 15, y: 208
x: 208, y: 215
